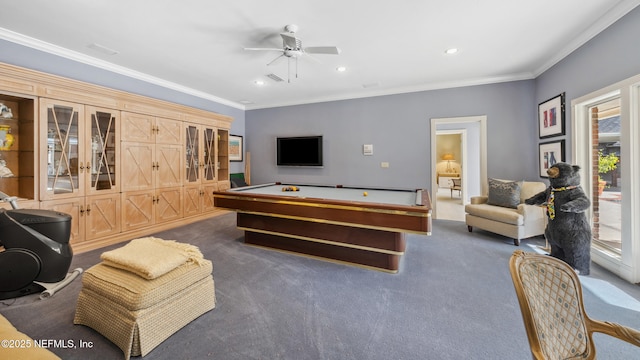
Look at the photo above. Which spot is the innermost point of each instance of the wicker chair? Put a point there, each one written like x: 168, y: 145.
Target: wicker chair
x: 550, y: 297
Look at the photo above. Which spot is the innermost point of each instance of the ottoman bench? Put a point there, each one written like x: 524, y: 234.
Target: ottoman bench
x: 139, y: 310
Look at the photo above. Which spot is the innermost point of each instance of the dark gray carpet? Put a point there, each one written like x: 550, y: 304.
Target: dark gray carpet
x: 453, y: 299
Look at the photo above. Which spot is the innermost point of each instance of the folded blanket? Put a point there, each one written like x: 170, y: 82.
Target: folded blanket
x: 151, y: 257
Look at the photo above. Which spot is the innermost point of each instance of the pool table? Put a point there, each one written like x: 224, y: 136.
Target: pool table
x: 351, y: 225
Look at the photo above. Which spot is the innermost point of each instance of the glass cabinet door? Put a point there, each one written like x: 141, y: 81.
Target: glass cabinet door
x: 209, y: 137
x: 62, y: 152
x: 192, y: 152
x: 101, y: 165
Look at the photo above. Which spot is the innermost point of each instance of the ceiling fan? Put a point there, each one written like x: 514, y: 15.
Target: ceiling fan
x: 292, y: 48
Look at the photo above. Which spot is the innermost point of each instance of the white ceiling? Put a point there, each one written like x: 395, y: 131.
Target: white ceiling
x: 197, y: 46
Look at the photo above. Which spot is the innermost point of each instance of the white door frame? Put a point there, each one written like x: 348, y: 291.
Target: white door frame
x: 626, y: 266
x: 482, y: 121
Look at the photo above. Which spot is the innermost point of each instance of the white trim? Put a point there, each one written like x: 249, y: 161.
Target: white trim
x: 482, y: 120
x: 402, y: 90
x: 36, y: 44
x: 610, y: 17
x: 627, y: 266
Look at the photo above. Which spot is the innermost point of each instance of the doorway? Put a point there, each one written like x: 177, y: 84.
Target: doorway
x: 450, y: 161
x: 472, y: 162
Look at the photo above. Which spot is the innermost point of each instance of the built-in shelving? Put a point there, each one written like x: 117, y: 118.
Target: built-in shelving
x: 17, y: 155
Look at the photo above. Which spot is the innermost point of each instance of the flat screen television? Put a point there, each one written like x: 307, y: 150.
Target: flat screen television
x: 299, y: 151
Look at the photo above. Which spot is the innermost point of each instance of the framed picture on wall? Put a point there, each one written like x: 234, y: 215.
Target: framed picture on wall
x: 550, y: 153
x: 235, y: 148
x: 551, y: 117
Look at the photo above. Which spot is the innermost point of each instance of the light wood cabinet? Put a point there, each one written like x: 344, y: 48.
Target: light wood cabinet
x: 152, y: 170
x: 138, y: 165
x: 102, y: 216
x: 201, y: 178
x: 145, y: 208
x: 151, y: 152
x: 223, y: 160
x: 115, y: 161
x: 200, y: 154
x: 92, y: 217
x: 102, y: 167
x: 168, y: 204
x: 62, y: 149
x: 137, y: 209
x: 74, y: 207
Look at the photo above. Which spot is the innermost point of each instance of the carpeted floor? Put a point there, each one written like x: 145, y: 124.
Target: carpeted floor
x: 453, y: 299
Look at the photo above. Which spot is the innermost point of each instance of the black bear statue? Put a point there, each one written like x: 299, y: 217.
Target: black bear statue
x: 568, y: 230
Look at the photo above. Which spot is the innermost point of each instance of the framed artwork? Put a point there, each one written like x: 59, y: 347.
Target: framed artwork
x: 551, y: 117
x: 235, y: 148
x: 550, y: 153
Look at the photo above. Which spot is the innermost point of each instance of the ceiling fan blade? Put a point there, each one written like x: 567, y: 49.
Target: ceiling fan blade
x: 291, y: 41
x: 329, y: 50
x: 263, y: 49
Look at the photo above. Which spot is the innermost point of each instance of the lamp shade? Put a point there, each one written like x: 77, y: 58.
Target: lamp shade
x: 448, y: 156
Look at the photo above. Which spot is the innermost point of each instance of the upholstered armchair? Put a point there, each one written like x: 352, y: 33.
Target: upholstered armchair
x: 504, y: 212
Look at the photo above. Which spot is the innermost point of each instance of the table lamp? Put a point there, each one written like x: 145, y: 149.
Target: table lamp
x: 448, y: 158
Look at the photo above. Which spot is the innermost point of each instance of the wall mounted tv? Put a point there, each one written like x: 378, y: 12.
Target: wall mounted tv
x: 299, y: 151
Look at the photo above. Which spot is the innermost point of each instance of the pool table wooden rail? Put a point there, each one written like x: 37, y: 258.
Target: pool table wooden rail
x: 366, y: 234
x: 414, y: 219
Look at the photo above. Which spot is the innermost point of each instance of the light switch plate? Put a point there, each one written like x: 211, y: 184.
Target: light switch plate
x: 367, y: 149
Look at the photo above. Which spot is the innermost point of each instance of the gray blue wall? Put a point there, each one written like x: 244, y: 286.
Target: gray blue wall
x: 399, y: 128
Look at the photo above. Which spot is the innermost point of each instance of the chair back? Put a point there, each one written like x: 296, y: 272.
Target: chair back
x: 456, y: 182
x: 550, y: 297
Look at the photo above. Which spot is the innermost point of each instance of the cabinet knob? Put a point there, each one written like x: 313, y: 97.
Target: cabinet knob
x: 81, y: 210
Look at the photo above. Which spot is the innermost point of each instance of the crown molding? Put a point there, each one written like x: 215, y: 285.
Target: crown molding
x: 40, y: 45
x: 606, y: 20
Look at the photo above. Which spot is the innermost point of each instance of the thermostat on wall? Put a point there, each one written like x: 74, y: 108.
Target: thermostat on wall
x: 367, y: 149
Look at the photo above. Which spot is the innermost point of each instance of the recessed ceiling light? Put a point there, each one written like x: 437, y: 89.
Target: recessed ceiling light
x: 451, y: 51
x: 259, y: 82
x: 341, y: 68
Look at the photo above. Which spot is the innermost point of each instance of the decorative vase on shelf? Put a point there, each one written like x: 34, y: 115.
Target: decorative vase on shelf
x: 6, y: 139
x: 5, y: 111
